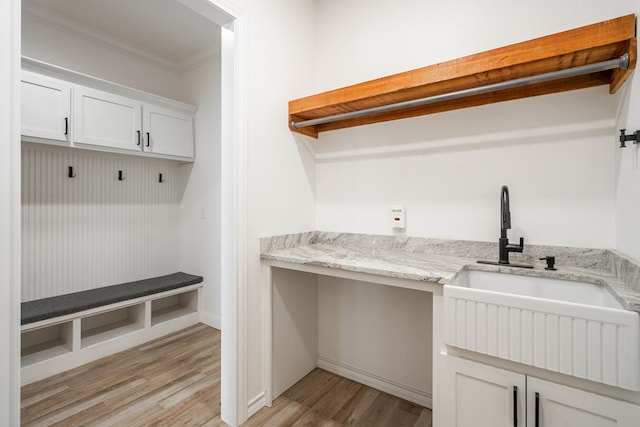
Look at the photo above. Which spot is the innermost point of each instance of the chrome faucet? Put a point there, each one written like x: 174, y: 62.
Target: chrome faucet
x: 505, y: 224
x: 503, y: 243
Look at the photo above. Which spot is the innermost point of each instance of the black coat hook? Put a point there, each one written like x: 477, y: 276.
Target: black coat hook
x: 160, y: 178
x: 71, y: 174
x: 121, y: 176
x: 624, y: 137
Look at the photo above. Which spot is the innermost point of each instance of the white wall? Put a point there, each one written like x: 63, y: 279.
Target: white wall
x: 64, y: 49
x: 281, y: 173
x: 628, y: 159
x: 556, y: 153
x: 376, y: 332
x: 200, y: 205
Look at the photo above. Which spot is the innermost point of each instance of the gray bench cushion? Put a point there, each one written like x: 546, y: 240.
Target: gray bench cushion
x: 46, y: 308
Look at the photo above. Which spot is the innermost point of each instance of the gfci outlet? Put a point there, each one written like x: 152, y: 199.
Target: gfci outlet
x: 398, y: 216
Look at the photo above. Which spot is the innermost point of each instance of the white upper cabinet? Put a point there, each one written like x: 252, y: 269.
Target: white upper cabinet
x: 90, y: 113
x: 106, y: 120
x: 46, y: 107
x: 167, y: 131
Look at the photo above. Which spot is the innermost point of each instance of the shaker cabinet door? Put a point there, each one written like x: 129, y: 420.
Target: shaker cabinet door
x: 167, y: 132
x: 555, y: 405
x: 46, y: 107
x: 478, y: 395
x: 106, y: 120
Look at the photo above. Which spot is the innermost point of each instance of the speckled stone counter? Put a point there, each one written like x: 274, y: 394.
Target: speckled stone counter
x: 439, y: 260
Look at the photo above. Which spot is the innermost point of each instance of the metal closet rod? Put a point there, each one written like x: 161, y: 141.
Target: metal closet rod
x: 622, y: 62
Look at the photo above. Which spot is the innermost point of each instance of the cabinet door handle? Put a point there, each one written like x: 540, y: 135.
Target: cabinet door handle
x: 66, y: 126
x: 537, y: 409
x: 515, y: 406
x: 148, y: 139
x: 138, y: 143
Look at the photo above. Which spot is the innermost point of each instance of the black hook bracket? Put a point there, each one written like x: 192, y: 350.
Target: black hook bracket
x: 121, y: 176
x: 624, y: 137
x: 160, y: 178
x: 71, y: 174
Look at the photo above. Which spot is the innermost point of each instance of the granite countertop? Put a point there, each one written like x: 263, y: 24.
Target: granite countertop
x: 440, y: 260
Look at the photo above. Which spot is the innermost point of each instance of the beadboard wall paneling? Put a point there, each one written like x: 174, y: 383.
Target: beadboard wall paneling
x: 94, y: 230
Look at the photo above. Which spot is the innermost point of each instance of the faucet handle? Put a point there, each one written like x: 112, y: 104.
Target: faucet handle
x: 551, y: 261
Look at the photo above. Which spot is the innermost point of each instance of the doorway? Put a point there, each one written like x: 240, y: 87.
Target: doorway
x: 231, y: 154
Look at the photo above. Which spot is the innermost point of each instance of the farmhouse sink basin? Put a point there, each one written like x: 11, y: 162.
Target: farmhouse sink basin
x: 593, y: 294
x: 574, y: 328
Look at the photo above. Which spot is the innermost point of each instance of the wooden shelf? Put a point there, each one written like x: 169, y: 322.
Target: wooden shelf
x: 569, y: 49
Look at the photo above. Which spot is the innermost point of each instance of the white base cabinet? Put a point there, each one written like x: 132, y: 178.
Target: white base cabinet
x: 562, y: 406
x: 476, y: 395
x: 479, y: 395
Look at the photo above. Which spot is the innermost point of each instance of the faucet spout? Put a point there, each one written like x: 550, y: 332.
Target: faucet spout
x: 504, y: 246
x: 505, y: 224
x: 505, y: 213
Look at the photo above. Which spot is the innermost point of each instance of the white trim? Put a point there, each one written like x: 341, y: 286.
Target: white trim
x: 234, y: 203
x: 210, y: 320
x: 267, y: 334
x: 15, y: 29
x: 256, y: 403
x: 380, y: 383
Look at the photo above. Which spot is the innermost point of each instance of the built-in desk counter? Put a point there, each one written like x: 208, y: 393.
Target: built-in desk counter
x: 413, y: 263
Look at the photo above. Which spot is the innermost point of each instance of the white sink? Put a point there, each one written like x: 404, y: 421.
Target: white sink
x: 575, y: 328
x: 539, y: 287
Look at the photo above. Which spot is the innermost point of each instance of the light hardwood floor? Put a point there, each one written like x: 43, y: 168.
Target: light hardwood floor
x: 175, y: 381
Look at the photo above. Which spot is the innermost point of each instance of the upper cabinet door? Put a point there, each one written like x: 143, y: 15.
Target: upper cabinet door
x: 105, y: 119
x: 168, y: 132
x: 46, y: 107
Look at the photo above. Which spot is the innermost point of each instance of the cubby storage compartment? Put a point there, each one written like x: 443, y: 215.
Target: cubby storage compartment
x: 111, y: 324
x: 173, y: 306
x: 46, y: 343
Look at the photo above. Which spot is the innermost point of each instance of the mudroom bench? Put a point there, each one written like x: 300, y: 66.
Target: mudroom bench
x: 66, y: 331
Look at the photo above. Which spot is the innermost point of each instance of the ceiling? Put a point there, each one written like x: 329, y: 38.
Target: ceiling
x: 163, y: 31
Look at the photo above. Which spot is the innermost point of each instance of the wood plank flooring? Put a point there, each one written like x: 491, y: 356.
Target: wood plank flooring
x: 175, y: 381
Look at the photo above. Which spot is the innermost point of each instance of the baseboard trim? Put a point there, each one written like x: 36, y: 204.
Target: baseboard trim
x: 210, y: 320
x: 257, y: 403
x: 372, y: 380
